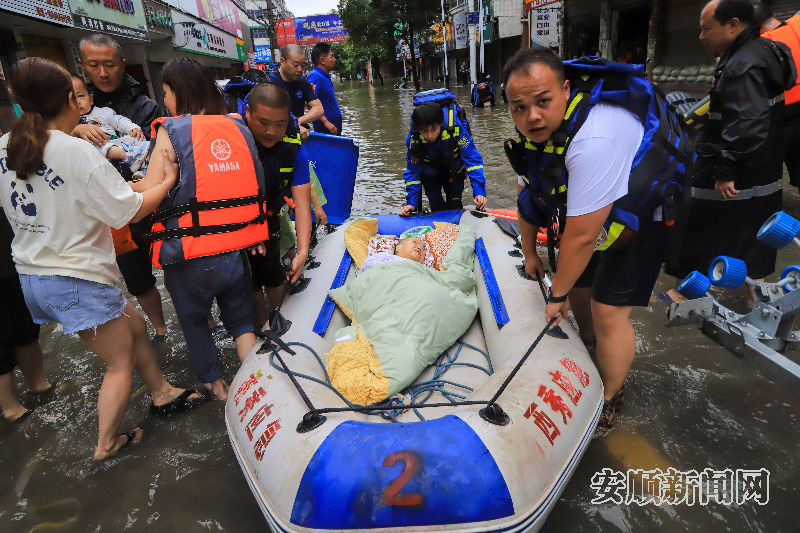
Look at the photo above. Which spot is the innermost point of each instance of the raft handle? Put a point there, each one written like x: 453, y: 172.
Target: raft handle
x: 494, y: 414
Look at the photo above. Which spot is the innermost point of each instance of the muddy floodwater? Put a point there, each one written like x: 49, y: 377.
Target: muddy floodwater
x: 690, y: 406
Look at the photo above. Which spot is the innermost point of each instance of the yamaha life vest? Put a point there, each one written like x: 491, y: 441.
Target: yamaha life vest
x: 454, y: 119
x: 661, y: 166
x: 790, y: 36
x: 219, y: 204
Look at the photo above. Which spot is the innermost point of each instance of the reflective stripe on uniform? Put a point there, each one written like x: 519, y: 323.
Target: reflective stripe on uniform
x: 745, y: 194
x: 474, y: 168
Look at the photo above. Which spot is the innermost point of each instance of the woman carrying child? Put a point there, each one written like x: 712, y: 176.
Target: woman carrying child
x: 60, y: 196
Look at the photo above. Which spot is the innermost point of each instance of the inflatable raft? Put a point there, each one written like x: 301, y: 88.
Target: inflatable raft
x: 316, y: 464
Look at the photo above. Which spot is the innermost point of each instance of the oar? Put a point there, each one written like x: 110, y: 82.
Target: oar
x: 511, y: 227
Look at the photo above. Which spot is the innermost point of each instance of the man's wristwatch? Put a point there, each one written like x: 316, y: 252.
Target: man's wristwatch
x: 555, y: 299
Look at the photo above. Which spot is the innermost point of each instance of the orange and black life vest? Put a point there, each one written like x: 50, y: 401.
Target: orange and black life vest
x: 790, y: 36
x: 219, y: 204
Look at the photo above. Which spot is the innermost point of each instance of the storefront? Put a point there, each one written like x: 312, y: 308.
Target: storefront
x: 31, y: 28
x: 159, y: 25
x: 219, y: 49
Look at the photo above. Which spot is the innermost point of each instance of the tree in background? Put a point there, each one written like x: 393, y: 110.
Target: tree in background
x: 371, y: 26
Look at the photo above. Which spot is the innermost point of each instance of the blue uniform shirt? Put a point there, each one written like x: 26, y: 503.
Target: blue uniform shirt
x: 300, y: 175
x: 439, y: 165
x: 323, y: 86
x: 300, y: 92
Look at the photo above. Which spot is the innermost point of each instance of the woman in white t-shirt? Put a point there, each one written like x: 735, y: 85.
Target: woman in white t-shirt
x: 60, y: 196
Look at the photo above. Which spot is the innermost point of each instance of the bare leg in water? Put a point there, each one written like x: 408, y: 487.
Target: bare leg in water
x: 151, y: 304
x: 123, y: 345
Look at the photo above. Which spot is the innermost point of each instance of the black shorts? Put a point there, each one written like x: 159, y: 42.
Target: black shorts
x: 267, y: 270
x: 137, y: 271
x: 626, y: 276
x: 17, y: 328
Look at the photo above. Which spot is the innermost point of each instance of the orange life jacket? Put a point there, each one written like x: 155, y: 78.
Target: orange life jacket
x: 123, y: 242
x: 219, y: 204
x: 790, y: 36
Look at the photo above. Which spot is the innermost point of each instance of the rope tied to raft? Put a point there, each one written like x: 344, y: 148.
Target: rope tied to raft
x: 412, y: 397
x: 392, y: 408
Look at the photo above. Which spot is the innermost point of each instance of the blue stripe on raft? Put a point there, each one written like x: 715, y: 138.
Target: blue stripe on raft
x: 395, y: 224
x: 368, y: 475
x: 498, y: 305
x: 325, y: 314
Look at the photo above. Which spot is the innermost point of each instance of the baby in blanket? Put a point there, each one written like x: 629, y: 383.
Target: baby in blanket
x: 411, y: 248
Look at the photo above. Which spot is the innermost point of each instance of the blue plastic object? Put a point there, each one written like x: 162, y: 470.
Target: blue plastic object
x: 395, y: 224
x: 727, y: 272
x: 483, y: 92
x: 695, y: 285
x: 779, y: 230
x: 489, y: 279
x: 335, y: 161
x: 326, y: 312
x: 447, y: 476
x: 791, y: 270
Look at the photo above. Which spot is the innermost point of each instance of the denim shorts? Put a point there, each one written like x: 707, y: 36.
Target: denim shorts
x: 75, y: 303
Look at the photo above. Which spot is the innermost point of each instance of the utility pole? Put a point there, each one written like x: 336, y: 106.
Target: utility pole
x: 473, y: 75
x: 444, y: 42
x: 273, y: 35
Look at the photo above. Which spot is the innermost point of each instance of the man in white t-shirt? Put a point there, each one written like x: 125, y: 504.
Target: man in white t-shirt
x: 603, y: 286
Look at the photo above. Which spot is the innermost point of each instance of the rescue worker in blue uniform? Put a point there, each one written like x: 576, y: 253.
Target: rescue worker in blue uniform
x: 598, y: 147
x: 441, y: 155
x: 287, y: 177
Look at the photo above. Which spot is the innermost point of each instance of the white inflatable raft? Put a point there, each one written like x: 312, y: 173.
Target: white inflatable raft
x: 453, y: 471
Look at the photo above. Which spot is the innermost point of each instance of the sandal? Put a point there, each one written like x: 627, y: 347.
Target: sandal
x: 178, y: 405
x: 132, y: 438
x: 611, y: 409
x: 20, y: 418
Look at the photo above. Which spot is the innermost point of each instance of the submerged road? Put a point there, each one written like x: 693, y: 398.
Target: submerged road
x: 690, y: 406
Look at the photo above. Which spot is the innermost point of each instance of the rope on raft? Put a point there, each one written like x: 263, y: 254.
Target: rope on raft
x: 417, y: 394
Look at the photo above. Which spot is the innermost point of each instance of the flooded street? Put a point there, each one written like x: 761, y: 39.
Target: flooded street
x: 690, y: 405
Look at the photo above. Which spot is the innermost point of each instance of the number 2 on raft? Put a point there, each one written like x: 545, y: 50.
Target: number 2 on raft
x: 390, y: 494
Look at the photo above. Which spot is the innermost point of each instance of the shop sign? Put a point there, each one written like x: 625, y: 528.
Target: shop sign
x: 159, y: 17
x: 319, y: 29
x: 284, y: 29
x: 535, y: 4
x: 251, y: 59
x: 222, y: 14
x: 263, y: 54
x: 118, y: 17
x: 546, y: 25
x: 56, y: 11
x: 460, y: 24
x: 241, y: 50
x: 196, y: 36
x: 487, y: 22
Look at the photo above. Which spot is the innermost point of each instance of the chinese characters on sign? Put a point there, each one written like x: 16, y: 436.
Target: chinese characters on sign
x: 118, y: 17
x: 545, y: 22
x: 675, y: 487
x: 50, y: 10
x: 551, y: 399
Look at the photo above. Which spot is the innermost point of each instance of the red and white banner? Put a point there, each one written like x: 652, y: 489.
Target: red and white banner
x: 533, y: 4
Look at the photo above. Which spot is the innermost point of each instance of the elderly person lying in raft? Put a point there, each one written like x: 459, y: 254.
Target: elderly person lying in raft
x: 411, y: 300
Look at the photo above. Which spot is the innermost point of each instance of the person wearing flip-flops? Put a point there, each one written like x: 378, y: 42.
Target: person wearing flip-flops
x: 60, y: 197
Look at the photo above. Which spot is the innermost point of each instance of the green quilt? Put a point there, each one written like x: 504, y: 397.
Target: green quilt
x: 409, y: 314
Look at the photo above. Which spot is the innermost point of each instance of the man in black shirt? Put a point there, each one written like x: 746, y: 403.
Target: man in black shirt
x: 104, y: 64
x: 290, y: 77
